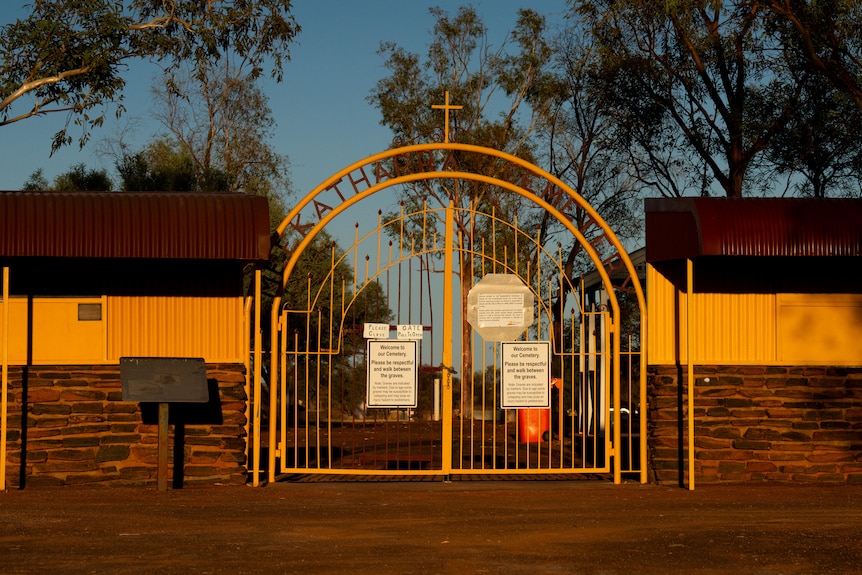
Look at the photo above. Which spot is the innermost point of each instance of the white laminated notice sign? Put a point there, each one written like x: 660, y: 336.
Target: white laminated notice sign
x: 393, y: 380
x: 409, y: 331
x: 500, y: 309
x: 375, y: 330
x: 526, y: 374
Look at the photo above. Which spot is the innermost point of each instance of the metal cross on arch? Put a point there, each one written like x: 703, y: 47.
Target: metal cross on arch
x: 446, y: 107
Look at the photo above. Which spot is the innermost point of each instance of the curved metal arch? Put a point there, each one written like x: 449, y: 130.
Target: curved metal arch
x: 523, y: 192
x: 450, y: 146
x: 590, y: 250
x: 425, y: 251
x: 343, y: 257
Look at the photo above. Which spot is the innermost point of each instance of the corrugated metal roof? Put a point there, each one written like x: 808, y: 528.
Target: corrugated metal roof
x: 134, y: 225
x: 618, y: 274
x: 680, y: 228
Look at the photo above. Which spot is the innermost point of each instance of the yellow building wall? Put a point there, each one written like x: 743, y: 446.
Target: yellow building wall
x: 60, y: 336
x: 752, y: 328
x: 176, y: 327
x: 820, y: 328
x: 207, y: 327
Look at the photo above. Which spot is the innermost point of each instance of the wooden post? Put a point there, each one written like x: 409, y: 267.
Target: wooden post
x: 689, y: 357
x: 163, y: 446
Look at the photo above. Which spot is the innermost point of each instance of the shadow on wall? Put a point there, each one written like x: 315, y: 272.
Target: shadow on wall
x: 180, y: 415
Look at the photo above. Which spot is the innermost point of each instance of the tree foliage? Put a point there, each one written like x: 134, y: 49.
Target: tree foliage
x: 580, y: 147
x: 321, y: 288
x: 78, y: 178
x: 822, y: 52
x: 219, y: 118
x: 702, y: 70
x: 816, y: 151
x: 502, y: 93
x: 159, y: 167
x: 218, y: 131
x: 71, y: 57
x: 719, y: 96
x: 826, y: 34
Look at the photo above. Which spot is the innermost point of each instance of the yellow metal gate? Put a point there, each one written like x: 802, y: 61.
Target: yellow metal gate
x: 393, y: 312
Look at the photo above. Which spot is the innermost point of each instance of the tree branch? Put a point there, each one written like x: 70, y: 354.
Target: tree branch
x: 35, y: 85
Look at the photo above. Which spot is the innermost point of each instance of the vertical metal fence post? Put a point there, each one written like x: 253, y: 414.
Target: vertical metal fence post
x: 258, y: 371
x: 446, y: 372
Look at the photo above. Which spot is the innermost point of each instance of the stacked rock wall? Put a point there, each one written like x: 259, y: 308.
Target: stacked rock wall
x: 757, y: 423
x: 69, y: 425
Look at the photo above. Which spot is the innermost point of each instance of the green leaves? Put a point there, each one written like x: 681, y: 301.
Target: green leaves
x: 70, y: 57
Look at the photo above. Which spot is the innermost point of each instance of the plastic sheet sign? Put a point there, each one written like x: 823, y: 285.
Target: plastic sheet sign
x: 500, y: 307
x: 409, y: 331
x: 375, y: 330
x: 392, y: 375
x: 526, y: 374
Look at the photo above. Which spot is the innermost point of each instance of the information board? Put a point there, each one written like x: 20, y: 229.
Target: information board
x: 526, y: 374
x: 164, y: 379
x: 393, y: 380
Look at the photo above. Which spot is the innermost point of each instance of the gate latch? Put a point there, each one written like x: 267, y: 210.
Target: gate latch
x: 448, y: 368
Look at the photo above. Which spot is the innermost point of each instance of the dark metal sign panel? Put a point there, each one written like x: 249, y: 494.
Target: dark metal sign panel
x: 164, y: 379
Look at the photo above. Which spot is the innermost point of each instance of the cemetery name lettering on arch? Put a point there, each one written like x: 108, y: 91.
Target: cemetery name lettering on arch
x: 369, y: 175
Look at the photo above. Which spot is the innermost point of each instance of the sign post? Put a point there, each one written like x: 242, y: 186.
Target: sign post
x: 164, y: 380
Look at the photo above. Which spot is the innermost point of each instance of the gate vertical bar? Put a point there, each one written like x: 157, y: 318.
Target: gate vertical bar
x: 448, y: 368
x: 246, y: 361
x: 258, y: 372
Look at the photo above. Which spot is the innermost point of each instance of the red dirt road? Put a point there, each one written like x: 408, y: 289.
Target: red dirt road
x: 533, y: 527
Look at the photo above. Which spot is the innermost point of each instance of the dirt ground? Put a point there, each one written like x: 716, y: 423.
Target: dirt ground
x: 530, y: 527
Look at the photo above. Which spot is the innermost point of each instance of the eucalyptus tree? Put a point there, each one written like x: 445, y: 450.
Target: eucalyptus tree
x: 219, y: 118
x: 700, y: 78
x: 158, y: 167
x: 826, y: 34
x: 821, y: 43
x: 502, y: 92
x: 819, y: 151
x: 324, y: 314
x: 71, y: 58
x: 78, y: 178
x: 578, y: 139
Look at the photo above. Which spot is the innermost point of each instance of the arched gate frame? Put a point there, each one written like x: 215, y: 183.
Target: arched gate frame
x: 313, y: 440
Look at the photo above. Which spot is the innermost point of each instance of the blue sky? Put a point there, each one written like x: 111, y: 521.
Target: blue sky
x: 324, y: 122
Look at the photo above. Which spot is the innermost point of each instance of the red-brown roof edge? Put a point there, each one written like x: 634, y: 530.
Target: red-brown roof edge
x: 680, y: 228
x: 164, y: 225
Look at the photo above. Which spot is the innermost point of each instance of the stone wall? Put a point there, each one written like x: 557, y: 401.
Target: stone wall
x: 77, y: 429
x: 757, y: 423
